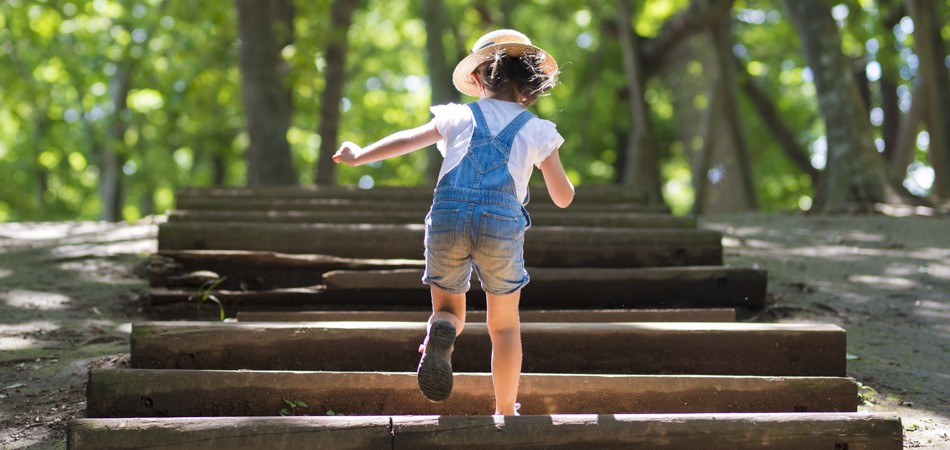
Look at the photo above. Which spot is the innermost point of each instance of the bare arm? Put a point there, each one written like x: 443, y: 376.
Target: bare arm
x: 559, y: 186
x: 396, y: 144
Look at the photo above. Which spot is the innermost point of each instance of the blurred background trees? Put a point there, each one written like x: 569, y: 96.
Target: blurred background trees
x: 107, y: 107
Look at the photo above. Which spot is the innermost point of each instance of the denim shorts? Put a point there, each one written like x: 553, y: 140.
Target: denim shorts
x: 489, y: 237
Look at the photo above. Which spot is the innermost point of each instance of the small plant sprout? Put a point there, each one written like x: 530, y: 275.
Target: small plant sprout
x: 293, y: 405
x: 204, y: 294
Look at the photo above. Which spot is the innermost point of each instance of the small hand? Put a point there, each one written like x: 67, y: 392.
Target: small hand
x: 347, y: 153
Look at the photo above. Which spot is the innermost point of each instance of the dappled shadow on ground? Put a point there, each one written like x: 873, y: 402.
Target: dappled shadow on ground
x: 885, y: 280
x: 67, y: 294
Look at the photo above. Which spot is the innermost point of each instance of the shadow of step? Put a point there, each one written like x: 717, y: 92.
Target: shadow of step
x: 655, y: 431
x: 545, y: 246
x: 538, y: 218
x: 549, y: 316
x: 166, y: 393
x: 629, y: 348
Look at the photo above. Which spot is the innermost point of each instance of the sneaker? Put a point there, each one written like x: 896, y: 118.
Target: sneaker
x: 435, y: 368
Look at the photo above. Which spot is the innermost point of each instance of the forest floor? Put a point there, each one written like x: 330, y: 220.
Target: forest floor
x: 70, y: 291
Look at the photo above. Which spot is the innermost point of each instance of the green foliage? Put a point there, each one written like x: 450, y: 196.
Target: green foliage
x: 184, y: 125
x: 292, y: 407
x: 205, y: 295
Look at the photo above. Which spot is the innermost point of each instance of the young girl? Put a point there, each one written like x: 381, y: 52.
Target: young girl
x: 478, y: 218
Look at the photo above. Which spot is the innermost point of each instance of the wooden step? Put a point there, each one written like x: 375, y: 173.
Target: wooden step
x: 852, y: 431
x: 544, y: 246
x: 268, y: 283
x: 167, y: 393
x: 549, y: 316
x: 539, y: 218
x: 585, y: 193
x: 360, y: 204
x: 256, y: 270
x: 627, y: 348
x: 251, y: 270
x: 181, y: 303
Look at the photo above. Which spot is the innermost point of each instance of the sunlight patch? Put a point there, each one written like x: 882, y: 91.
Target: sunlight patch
x: 5, y: 272
x: 28, y: 327
x: 46, y: 301
x: 16, y: 343
x: 883, y: 282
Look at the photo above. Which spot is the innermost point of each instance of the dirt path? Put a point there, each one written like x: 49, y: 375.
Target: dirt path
x: 69, y: 291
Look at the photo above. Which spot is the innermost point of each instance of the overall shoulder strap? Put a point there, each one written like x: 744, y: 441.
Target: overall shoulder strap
x: 507, y: 136
x: 481, y: 126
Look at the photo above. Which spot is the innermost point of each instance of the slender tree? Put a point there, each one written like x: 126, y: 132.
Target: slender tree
x: 855, y: 175
x: 931, y: 52
x: 641, y: 169
x: 265, y: 100
x: 341, y: 15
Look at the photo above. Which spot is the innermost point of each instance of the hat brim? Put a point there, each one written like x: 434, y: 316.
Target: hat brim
x: 462, y: 79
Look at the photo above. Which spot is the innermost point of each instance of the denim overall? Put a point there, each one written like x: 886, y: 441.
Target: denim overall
x: 477, y: 218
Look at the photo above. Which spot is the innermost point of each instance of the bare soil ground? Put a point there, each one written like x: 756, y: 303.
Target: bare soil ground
x: 69, y: 292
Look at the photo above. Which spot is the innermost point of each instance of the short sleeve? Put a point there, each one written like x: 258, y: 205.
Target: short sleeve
x: 547, y: 140
x: 449, y: 119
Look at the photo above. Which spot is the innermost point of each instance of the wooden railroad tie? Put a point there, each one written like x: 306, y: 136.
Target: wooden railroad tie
x: 540, y: 218
x: 167, y: 393
x: 881, y: 431
x: 527, y: 316
x: 619, y: 348
x: 548, y: 246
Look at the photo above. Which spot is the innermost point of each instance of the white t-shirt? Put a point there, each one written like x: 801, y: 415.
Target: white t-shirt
x: 531, y: 146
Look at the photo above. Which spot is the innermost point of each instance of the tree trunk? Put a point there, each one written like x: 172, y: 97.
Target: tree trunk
x: 265, y: 98
x: 855, y: 175
x: 640, y: 170
x: 704, y: 159
x: 440, y: 72
x: 742, y: 176
x: 933, y: 77
x: 902, y: 150
x: 110, y: 164
x: 341, y: 17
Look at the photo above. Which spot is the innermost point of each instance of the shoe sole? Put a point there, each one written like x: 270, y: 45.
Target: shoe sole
x: 435, y: 368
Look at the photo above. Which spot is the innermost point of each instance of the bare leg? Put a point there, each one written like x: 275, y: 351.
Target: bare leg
x: 504, y: 327
x: 435, y: 367
x: 449, y: 307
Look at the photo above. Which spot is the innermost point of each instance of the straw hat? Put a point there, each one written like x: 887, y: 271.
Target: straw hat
x: 510, y: 42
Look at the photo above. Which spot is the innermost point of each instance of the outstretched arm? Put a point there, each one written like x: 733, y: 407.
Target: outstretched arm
x: 396, y: 144
x: 559, y: 186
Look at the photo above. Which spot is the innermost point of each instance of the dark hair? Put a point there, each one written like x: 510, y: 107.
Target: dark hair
x: 524, y: 71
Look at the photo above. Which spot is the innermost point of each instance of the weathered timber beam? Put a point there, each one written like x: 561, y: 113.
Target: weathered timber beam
x: 544, y: 246
x: 630, y: 348
x: 177, y: 393
x: 251, y: 270
x: 419, y: 206
x: 542, y: 218
x: 741, y: 431
x: 549, y: 316
x: 670, y: 431
x: 585, y: 194
x: 660, y: 287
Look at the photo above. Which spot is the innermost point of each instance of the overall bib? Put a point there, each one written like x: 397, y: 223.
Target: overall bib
x: 476, y: 218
